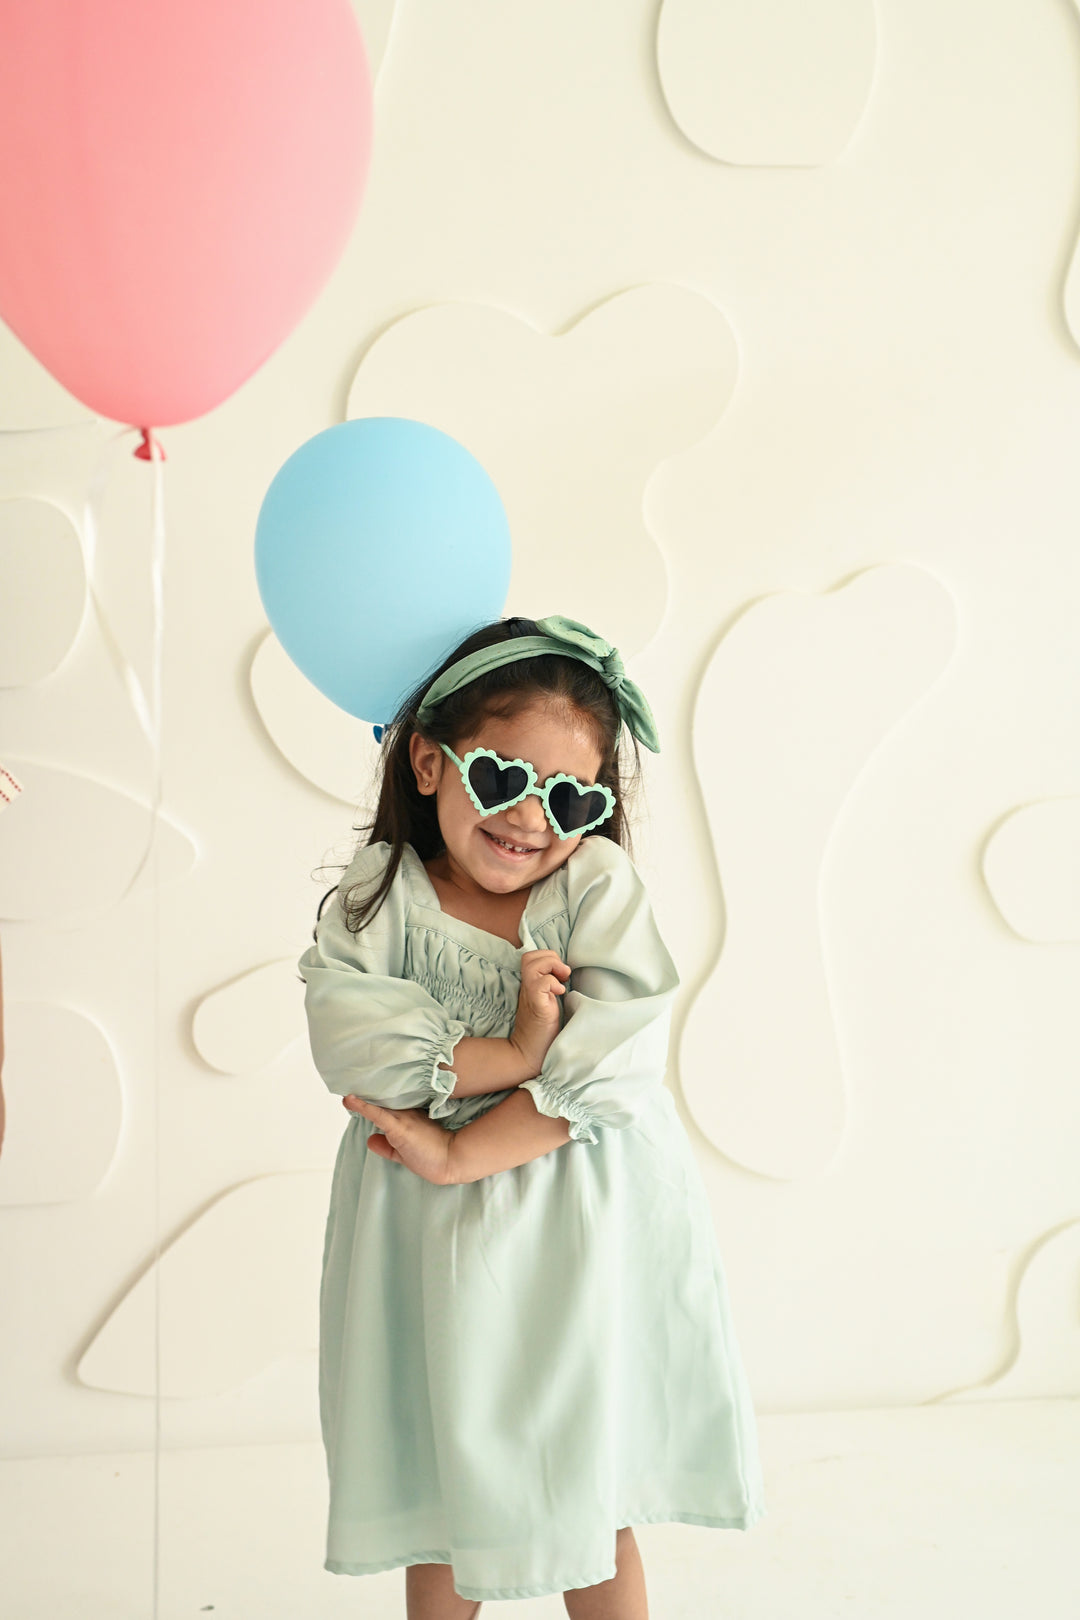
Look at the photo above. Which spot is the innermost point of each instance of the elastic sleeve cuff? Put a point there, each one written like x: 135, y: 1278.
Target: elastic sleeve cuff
x: 554, y: 1103
x: 442, y: 1080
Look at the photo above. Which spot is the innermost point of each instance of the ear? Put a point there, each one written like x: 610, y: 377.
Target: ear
x: 427, y: 760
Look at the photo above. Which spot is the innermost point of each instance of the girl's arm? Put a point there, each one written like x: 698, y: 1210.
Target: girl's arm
x: 517, y: 1131
x: 485, y: 1063
x: 374, y: 1032
x: 608, y: 1060
x: 511, y: 1133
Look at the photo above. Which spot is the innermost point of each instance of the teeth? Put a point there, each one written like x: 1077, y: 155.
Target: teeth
x: 518, y: 849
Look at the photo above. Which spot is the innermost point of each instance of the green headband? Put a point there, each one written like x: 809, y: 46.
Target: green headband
x: 571, y: 640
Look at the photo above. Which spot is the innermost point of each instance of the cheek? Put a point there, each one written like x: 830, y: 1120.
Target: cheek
x: 561, y: 852
x: 455, y: 808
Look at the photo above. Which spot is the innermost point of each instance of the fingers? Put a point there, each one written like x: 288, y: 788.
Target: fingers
x: 382, y: 1149
x: 543, y: 962
x: 378, y: 1142
x: 543, y: 975
x: 372, y: 1111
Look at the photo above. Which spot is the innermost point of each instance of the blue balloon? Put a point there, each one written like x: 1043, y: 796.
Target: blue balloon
x: 379, y: 545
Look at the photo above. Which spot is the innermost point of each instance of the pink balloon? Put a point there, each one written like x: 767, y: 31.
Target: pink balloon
x: 177, y: 181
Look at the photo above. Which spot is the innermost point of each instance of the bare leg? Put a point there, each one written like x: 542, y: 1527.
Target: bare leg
x: 430, y: 1595
x: 622, y: 1598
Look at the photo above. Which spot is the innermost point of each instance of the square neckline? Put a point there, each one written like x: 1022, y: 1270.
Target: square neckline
x: 421, y: 884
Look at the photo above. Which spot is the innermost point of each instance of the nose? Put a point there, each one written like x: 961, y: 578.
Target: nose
x: 527, y: 817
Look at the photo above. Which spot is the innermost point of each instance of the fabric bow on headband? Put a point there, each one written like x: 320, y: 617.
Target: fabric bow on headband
x: 573, y: 640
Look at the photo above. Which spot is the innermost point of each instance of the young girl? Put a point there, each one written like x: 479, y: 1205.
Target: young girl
x: 526, y: 1345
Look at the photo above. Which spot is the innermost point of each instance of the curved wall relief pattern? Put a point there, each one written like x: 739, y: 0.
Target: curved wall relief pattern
x: 64, y: 1105
x: 239, y: 1290
x: 375, y: 18
x: 1046, y: 1361
x: 247, y: 1024
x: 776, y: 83
x: 1071, y: 295
x: 797, y: 695
x: 1031, y: 866
x: 570, y: 428
x: 331, y: 749
x: 42, y: 589
x: 1071, y: 290
x: 71, y: 845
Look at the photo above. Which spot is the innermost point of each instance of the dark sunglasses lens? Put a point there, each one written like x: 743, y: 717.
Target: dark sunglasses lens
x: 574, y: 809
x: 493, y: 786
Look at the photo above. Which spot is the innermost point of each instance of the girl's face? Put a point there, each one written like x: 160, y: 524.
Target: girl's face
x: 551, y: 738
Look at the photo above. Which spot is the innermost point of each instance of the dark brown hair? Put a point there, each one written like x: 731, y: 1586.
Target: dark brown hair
x: 406, y: 816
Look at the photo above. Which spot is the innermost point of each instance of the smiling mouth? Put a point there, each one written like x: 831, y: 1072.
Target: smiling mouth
x: 511, y: 849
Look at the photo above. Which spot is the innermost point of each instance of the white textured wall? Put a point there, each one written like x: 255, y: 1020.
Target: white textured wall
x: 871, y: 399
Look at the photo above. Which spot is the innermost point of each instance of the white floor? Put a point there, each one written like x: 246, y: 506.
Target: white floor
x: 903, y: 1514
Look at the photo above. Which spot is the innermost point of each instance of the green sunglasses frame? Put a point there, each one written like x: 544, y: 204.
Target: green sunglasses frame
x: 542, y: 792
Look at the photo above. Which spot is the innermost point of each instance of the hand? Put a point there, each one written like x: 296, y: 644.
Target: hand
x: 408, y: 1137
x: 543, y: 981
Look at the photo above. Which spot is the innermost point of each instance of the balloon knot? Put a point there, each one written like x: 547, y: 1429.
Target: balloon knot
x: 145, y: 450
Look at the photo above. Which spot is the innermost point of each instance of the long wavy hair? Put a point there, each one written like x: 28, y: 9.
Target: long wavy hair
x: 404, y: 815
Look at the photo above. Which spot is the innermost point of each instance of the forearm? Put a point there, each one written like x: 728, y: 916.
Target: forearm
x: 512, y: 1133
x: 487, y: 1063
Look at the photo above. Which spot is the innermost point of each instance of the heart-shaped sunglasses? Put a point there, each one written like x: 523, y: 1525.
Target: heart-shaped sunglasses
x: 494, y: 784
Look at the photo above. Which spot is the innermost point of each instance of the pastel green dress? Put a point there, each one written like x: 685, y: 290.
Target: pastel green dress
x: 513, y: 1369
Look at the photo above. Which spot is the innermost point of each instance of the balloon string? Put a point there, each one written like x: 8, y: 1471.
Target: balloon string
x: 59, y: 427
x: 149, y: 449
x: 149, y: 714
x: 157, y: 579
x: 147, y: 711
x: 157, y: 584
x: 91, y: 529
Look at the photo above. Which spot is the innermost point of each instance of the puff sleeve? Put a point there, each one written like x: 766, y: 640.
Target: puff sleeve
x: 612, y: 1049
x: 372, y: 1031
